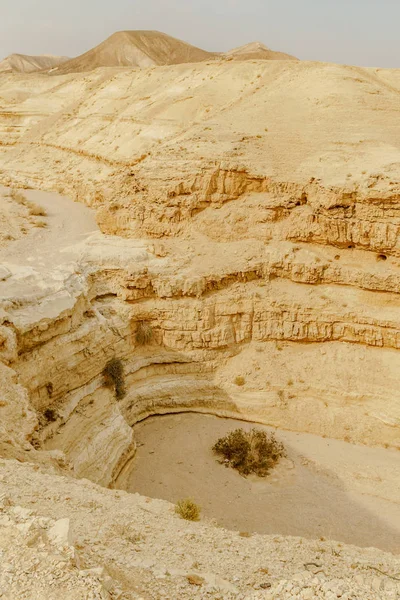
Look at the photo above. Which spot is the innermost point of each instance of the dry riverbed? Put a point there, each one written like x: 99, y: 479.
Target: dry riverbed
x: 324, y: 488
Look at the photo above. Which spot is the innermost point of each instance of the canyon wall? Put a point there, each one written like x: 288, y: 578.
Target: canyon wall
x: 250, y: 220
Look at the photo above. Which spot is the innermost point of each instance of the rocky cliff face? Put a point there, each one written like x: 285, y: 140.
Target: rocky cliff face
x: 261, y: 206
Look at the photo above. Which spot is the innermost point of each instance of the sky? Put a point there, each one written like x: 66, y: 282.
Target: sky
x: 357, y: 32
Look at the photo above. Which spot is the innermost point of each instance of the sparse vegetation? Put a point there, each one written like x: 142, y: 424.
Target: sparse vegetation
x: 144, y: 333
x: 50, y: 415
x: 114, y: 377
x: 240, y: 381
x: 254, y: 451
x: 18, y: 196
x: 36, y: 211
x: 188, y: 509
x: 40, y: 223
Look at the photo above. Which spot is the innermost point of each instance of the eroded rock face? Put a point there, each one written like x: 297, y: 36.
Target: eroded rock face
x: 311, y: 360
x: 259, y: 203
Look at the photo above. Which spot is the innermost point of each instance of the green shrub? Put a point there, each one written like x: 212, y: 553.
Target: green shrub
x: 114, y: 377
x: 144, y: 333
x: 187, y: 509
x: 254, y: 451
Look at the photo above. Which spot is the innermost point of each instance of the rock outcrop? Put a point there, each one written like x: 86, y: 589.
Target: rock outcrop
x: 259, y: 240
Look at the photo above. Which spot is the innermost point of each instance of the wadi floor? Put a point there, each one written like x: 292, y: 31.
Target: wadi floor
x: 305, y: 495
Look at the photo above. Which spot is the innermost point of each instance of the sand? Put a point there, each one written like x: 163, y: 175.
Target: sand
x: 306, y: 495
x: 39, y: 257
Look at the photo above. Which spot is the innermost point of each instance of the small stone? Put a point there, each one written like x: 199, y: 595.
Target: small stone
x: 60, y: 533
x: 22, y: 513
x: 195, y: 580
x: 376, y: 584
x: 4, y: 501
x: 4, y: 273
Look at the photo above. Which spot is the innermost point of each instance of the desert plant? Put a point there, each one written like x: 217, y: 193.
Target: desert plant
x: 188, y: 509
x: 50, y: 415
x: 17, y: 196
x: 36, y: 211
x: 240, y: 381
x: 40, y: 223
x: 144, y: 333
x: 254, y: 451
x: 113, y: 374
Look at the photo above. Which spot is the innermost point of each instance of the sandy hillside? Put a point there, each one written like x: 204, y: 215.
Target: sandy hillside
x: 23, y: 63
x: 257, y: 51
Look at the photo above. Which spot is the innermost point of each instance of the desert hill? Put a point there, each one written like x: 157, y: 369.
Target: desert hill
x: 136, y: 49
x: 152, y: 48
x: 257, y: 51
x: 245, y: 169
x: 23, y: 63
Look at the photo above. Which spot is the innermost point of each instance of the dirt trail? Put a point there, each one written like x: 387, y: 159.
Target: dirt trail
x: 45, y: 255
x: 324, y: 488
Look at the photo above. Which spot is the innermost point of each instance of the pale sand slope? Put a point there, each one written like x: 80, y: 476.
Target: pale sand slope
x: 324, y: 487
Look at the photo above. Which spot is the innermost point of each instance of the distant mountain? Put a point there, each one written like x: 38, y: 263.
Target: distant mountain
x: 257, y: 51
x: 23, y: 63
x: 136, y: 49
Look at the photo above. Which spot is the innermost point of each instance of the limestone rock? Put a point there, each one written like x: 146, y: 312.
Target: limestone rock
x: 60, y: 533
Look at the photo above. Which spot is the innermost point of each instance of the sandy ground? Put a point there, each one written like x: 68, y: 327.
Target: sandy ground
x: 324, y: 488
x: 67, y: 223
x: 41, y: 255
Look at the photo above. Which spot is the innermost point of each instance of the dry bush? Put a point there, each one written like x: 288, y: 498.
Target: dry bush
x: 239, y: 381
x: 128, y: 532
x: 40, y: 223
x: 113, y: 374
x: 187, y: 509
x: 18, y: 196
x: 36, y: 211
x: 144, y: 333
x: 50, y: 415
x: 254, y: 451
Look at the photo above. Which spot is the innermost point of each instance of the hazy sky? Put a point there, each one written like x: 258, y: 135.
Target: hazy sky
x: 360, y: 32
